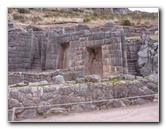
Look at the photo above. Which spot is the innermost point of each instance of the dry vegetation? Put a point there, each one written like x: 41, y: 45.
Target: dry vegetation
x: 44, y: 16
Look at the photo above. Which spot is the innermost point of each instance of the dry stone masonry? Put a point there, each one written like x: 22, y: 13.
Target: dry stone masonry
x: 48, y: 98
x: 62, y: 65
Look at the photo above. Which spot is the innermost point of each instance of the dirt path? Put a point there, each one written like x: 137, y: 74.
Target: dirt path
x: 138, y: 113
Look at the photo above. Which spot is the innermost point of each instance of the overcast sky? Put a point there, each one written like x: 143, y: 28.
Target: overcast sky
x: 145, y: 9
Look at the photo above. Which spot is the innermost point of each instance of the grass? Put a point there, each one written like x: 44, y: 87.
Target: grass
x: 134, y: 38
x: 18, y: 85
x: 49, y: 15
x: 44, y: 84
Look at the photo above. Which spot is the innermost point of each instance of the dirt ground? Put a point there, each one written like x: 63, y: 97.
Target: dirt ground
x: 138, y: 113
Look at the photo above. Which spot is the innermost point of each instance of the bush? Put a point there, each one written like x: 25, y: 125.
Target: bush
x: 18, y: 17
x: 23, y: 10
x: 126, y: 22
x: 36, y: 19
x: 86, y: 19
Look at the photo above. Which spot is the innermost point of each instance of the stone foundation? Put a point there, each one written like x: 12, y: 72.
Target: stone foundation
x: 116, y: 94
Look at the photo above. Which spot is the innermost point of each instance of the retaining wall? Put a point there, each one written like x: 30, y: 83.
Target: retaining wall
x: 46, y: 96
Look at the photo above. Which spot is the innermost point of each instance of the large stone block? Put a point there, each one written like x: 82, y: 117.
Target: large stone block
x: 43, y: 107
x: 82, y: 90
x: 58, y: 79
x: 28, y: 114
x: 121, y: 89
x: 92, y: 78
x: 99, y: 35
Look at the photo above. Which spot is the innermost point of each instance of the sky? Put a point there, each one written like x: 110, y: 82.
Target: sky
x: 145, y: 9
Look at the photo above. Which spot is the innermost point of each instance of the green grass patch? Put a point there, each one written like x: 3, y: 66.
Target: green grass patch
x: 86, y: 19
x: 18, y: 85
x: 44, y: 84
x: 134, y: 38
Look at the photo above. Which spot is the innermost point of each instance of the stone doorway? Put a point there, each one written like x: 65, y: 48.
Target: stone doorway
x: 63, y: 56
x: 94, y: 64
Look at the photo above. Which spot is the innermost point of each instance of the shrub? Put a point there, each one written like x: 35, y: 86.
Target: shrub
x: 23, y: 10
x: 36, y: 19
x: 126, y: 22
x: 19, y: 18
x: 86, y: 19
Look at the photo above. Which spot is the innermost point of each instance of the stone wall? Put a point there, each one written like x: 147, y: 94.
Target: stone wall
x: 81, y: 38
x: 21, y: 50
x: 26, y: 77
x: 131, y: 31
x: 115, y: 95
x: 88, y: 48
x: 132, y: 56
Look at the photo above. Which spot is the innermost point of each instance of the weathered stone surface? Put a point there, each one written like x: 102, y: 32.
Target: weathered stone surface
x: 14, y: 93
x: 153, y: 87
x: 126, y: 102
x: 133, y: 90
x: 66, y: 90
x: 80, y: 80
x: 147, y: 57
x: 120, y: 90
x: 153, y: 78
x: 109, y: 91
x: 46, y: 96
x: 28, y: 114
x: 43, y: 107
x: 139, y: 101
x: 92, y: 78
x: 98, y: 94
x: 128, y: 77
x: 108, y: 24
x: 49, y: 88
x: 64, y: 94
x: 155, y: 98
x: 58, y: 79
x: 25, y: 89
x: 112, y: 77
x: 56, y: 110
x: 145, y: 91
x: 70, y: 82
x: 83, y: 107
x: 13, y: 103
x: 110, y: 104
x: 38, y: 83
x: 118, y: 103
x: 82, y: 90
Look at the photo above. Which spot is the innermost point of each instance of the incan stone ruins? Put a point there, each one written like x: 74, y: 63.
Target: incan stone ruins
x: 79, y: 63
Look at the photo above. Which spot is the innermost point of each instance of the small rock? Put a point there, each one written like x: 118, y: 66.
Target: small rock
x: 153, y: 78
x: 139, y: 101
x: 58, y: 79
x: 112, y: 77
x: 93, y: 78
x: 128, y: 77
x: 104, y: 80
x: 118, y: 103
x: 37, y: 83
x: 139, y: 77
x: 43, y: 107
x: 108, y: 24
x: 70, y: 82
x: 80, y: 80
